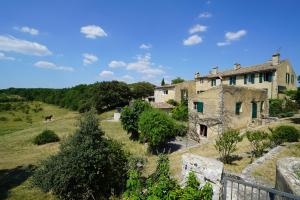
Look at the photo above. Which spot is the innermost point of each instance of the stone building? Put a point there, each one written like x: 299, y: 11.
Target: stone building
x: 224, y: 107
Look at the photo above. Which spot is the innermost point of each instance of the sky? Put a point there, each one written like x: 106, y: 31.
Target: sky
x: 58, y: 44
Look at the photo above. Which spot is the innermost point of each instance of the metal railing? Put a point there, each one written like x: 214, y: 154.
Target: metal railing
x: 238, y: 189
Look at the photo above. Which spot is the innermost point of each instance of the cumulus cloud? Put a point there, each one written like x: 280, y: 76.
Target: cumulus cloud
x: 53, y: 66
x: 106, y: 73
x: 205, y: 15
x: 10, y: 43
x: 4, y: 57
x: 197, y: 28
x: 89, y: 58
x: 192, y: 40
x: 145, y: 46
x: 93, y: 31
x: 232, y: 36
x: 116, y: 64
x: 26, y: 29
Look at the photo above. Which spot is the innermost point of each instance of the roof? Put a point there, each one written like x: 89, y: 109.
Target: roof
x: 165, y: 86
x: 161, y: 105
x: 245, y: 70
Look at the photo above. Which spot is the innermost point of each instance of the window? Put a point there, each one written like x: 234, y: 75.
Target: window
x: 245, y: 79
x: 201, y: 81
x: 213, y: 82
x: 260, y: 77
x: 166, y: 92
x: 292, y: 79
x: 232, y: 80
x: 287, y: 78
x: 251, y: 78
x: 268, y: 76
x: 238, y: 108
x: 198, y: 106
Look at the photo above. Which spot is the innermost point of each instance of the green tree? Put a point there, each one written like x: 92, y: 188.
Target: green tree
x: 226, y: 144
x: 177, y: 80
x: 130, y: 117
x: 259, y: 142
x: 180, y: 112
x: 87, y: 166
x: 141, y: 89
x: 163, y: 82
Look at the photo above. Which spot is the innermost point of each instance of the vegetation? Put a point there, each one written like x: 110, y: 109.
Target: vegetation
x: 100, y: 167
x: 284, y: 133
x: 181, y: 112
x: 172, y: 102
x: 177, y: 80
x: 141, y: 90
x: 156, y: 128
x: 130, y: 117
x: 282, y: 108
x: 47, y: 136
x: 259, y: 142
x: 163, y: 82
x: 226, y: 144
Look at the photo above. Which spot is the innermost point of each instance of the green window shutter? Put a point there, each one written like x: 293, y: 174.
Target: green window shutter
x: 252, y: 78
x: 260, y: 77
x: 254, y: 110
x: 238, y: 108
x: 234, y: 80
x: 200, y: 107
x: 245, y: 79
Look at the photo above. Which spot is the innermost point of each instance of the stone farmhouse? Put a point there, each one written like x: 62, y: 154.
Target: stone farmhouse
x: 235, y: 98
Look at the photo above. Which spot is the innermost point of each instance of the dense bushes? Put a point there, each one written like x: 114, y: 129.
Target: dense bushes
x: 283, y: 134
x: 87, y: 166
x: 180, y: 112
x: 282, y: 108
x: 47, y: 136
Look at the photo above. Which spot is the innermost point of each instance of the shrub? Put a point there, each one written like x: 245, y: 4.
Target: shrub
x: 283, y: 134
x: 156, y: 128
x: 275, y: 107
x: 180, y: 112
x: 47, y: 136
x: 3, y: 119
x: 87, y: 166
x: 172, y: 102
x: 130, y: 116
x: 226, y: 144
x: 180, y: 129
x: 5, y: 107
x: 259, y: 142
x: 37, y: 107
x: 17, y: 119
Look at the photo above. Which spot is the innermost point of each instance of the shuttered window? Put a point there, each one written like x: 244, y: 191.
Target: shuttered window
x: 238, y: 107
x: 200, y: 107
x: 245, y: 79
x: 232, y: 80
x: 260, y: 77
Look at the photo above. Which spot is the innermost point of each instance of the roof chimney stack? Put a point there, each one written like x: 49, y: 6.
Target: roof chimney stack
x: 197, y: 75
x: 237, y: 66
x: 214, y: 70
x: 276, y: 59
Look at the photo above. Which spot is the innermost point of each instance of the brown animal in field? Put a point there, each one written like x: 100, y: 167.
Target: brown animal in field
x: 48, y: 117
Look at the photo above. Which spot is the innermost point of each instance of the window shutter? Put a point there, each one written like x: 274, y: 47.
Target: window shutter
x: 200, y: 107
x: 260, y: 77
x: 245, y: 79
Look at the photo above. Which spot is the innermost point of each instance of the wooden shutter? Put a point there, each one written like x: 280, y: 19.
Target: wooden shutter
x: 260, y: 77
x: 245, y: 79
x: 200, y: 107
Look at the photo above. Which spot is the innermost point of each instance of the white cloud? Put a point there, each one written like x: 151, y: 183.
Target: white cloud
x: 145, y: 46
x: 89, y: 58
x: 53, y: 66
x: 205, y: 15
x: 197, y: 28
x: 192, y: 40
x: 106, y: 73
x: 93, y: 31
x: 10, y: 43
x: 4, y: 57
x: 116, y: 64
x: 26, y: 29
x: 232, y: 36
x: 127, y: 78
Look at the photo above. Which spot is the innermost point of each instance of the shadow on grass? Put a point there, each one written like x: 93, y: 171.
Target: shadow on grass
x: 295, y: 120
x: 10, y: 178
x: 231, y: 159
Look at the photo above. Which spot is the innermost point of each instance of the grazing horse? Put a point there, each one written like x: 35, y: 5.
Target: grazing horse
x: 48, y: 117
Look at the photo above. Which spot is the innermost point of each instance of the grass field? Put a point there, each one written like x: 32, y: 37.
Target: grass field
x: 18, y: 155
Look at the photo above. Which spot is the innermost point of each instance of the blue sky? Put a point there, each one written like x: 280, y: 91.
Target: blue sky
x: 63, y: 43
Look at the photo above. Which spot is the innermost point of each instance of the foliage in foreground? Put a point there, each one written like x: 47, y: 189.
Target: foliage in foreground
x: 180, y: 112
x: 47, y: 136
x: 88, y: 165
x: 226, y: 144
x: 259, y: 142
x: 160, y: 185
x: 284, y: 133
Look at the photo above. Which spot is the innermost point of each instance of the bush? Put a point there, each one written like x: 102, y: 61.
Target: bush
x: 180, y: 112
x: 226, y: 144
x: 156, y: 128
x: 172, y: 102
x: 17, y: 119
x: 3, y: 119
x: 259, y: 142
x: 283, y: 134
x: 87, y: 166
x: 130, y: 117
x: 5, y: 106
x: 275, y: 107
x: 47, y: 136
x: 180, y: 129
x: 37, y: 107
x: 282, y: 108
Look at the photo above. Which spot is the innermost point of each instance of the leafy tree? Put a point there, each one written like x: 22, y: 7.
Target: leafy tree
x: 177, y: 80
x: 130, y: 116
x: 226, y: 144
x: 163, y: 82
x: 156, y: 128
x: 180, y: 112
x: 141, y: 89
x: 87, y: 166
x: 258, y: 140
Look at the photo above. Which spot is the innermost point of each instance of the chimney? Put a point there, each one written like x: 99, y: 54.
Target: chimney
x: 214, y: 70
x: 237, y: 66
x: 197, y: 75
x: 276, y: 59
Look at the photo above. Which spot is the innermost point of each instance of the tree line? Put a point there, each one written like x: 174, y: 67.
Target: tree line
x: 103, y: 96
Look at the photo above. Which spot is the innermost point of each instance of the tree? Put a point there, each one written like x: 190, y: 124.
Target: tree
x: 156, y: 128
x: 259, y: 142
x: 226, y: 144
x: 180, y: 112
x: 141, y: 89
x: 130, y: 117
x: 87, y: 166
x: 163, y: 82
x: 177, y: 80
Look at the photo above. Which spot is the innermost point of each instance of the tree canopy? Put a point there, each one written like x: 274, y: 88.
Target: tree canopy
x: 177, y: 80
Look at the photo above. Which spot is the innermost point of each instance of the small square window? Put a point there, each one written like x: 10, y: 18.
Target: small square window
x: 166, y: 91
